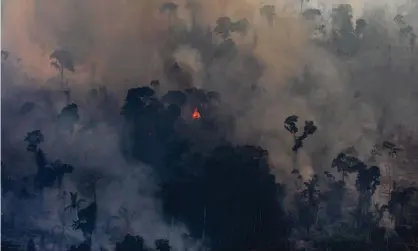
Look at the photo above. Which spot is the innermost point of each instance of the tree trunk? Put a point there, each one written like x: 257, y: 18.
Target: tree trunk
x: 295, y: 155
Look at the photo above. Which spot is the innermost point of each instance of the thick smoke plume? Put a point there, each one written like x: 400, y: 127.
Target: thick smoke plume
x: 277, y: 71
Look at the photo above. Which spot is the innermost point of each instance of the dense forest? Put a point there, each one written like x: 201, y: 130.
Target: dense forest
x: 212, y: 192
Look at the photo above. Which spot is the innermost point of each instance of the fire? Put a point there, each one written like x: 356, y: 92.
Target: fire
x: 196, y: 114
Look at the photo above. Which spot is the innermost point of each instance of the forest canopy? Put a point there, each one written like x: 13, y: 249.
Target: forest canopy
x: 285, y: 133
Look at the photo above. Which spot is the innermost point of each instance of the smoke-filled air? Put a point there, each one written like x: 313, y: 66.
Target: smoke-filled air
x: 216, y: 125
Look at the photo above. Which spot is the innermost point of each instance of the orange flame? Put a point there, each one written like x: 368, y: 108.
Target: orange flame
x: 196, y: 114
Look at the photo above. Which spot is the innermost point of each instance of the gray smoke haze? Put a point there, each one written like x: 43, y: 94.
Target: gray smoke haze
x: 122, y: 185
x: 122, y: 44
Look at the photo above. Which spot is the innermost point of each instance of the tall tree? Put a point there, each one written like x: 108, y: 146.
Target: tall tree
x: 63, y: 60
x: 400, y: 197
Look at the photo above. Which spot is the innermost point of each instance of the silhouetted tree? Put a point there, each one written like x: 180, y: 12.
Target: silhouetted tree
x: 225, y: 26
x: 87, y: 217
x: 360, y: 26
x: 162, y: 245
x: 344, y: 36
x: 68, y: 117
x: 175, y: 97
x: 85, y: 246
x: 131, y: 243
x: 269, y: 12
x: 226, y: 196
x: 345, y: 164
x: 34, y: 138
x: 31, y: 246
x: 308, y: 129
x: 368, y: 178
x: 136, y: 101
x: 308, y: 204
x: 48, y: 172
x: 399, y: 198
x: 334, y: 197
x: 75, y: 202
x: 62, y: 60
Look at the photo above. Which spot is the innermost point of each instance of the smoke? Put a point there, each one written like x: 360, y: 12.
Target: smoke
x: 123, y: 186
x: 277, y: 71
x: 126, y: 40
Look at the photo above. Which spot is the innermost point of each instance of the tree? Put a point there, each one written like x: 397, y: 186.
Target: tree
x: 228, y: 195
x: 87, y: 217
x: 31, y: 246
x: 344, y: 35
x: 136, y: 101
x: 308, y: 204
x: 334, y: 197
x: 48, y: 172
x: 75, y: 202
x: 34, y: 139
x: 360, y: 26
x: 269, y: 12
x: 308, y: 129
x: 399, y: 198
x: 368, y: 178
x: 341, y: 19
x: 68, y: 117
x: 175, y: 97
x: 131, y: 243
x: 162, y: 245
x: 62, y: 60
x: 225, y: 26
x: 86, y: 220
x: 346, y: 164
x: 84, y: 246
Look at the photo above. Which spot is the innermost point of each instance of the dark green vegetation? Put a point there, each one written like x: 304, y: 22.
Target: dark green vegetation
x: 225, y: 194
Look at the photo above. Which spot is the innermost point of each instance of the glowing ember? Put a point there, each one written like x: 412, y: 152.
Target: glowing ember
x: 196, y: 114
